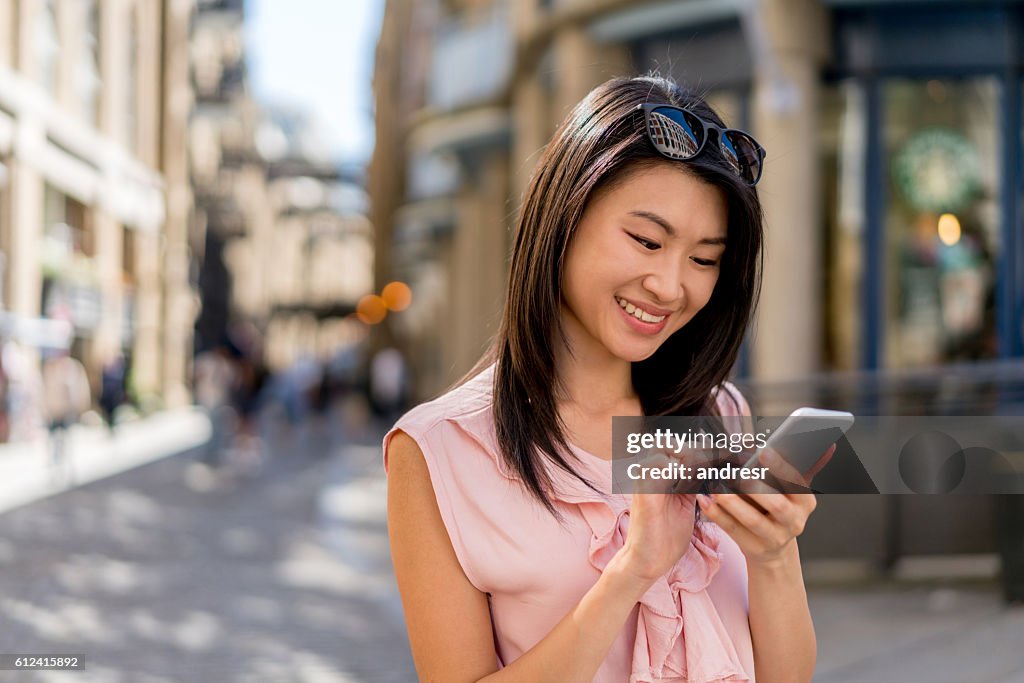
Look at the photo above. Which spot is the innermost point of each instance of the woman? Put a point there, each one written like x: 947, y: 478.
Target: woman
x: 635, y: 270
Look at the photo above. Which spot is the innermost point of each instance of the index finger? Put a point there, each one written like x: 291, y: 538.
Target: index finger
x: 822, y: 461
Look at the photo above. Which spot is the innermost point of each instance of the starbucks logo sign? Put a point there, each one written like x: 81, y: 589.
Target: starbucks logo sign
x: 938, y: 170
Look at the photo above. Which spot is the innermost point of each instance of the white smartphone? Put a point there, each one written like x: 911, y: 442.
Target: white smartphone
x: 805, y: 435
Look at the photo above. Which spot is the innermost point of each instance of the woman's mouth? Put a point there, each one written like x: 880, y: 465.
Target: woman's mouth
x: 639, y: 319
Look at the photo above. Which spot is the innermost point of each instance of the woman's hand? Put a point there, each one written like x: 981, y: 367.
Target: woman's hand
x: 764, y: 523
x: 660, y: 525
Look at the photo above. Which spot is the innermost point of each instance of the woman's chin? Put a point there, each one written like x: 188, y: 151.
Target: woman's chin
x: 634, y: 354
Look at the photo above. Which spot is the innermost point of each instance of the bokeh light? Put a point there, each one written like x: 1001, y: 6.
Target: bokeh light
x: 371, y: 309
x: 397, y: 296
x: 949, y: 229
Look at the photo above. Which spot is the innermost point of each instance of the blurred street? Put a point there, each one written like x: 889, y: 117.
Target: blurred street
x: 169, y: 572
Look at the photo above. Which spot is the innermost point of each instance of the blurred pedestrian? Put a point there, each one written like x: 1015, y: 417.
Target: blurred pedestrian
x: 214, y: 377
x: 24, y: 391
x: 112, y: 388
x: 247, y: 397
x: 66, y: 396
x: 299, y: 388
x: 5, y: 423
x: 389, y: 384
x: 349, y: 392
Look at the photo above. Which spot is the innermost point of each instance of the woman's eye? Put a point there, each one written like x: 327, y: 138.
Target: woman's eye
x: 704, y: 262
x: 647, y: 244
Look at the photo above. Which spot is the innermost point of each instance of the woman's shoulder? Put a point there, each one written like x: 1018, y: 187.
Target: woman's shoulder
x: 457, y: 462
x: 455, y: 425
x: 459, y: 405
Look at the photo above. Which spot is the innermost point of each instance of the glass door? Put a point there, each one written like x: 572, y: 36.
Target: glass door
x: 941, y: 224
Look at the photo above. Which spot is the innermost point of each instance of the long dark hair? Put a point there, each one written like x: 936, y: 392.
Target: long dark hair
x: 600, y: 142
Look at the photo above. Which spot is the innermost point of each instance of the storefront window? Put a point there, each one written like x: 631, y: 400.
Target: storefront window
x: 843, y: 147
x: 69, y: 289
x: 129, y: 252
x: 942, y: 220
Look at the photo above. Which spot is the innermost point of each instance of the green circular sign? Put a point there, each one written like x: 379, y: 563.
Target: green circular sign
x: 938, y: 170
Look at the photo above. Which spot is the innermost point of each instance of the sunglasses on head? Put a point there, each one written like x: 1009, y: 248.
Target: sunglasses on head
x: 680, y: 134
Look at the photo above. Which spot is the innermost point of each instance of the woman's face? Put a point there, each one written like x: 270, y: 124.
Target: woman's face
x: 649, y: 246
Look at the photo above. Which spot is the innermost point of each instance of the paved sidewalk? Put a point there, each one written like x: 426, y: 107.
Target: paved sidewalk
x: 92, y: 453
x: 945, y: 632
x: 158, y: 575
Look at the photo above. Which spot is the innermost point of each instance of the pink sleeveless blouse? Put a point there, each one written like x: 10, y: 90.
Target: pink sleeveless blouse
x: 691, y: 625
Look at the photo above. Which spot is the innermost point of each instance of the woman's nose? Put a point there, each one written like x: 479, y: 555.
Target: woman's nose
x: 666, y: 287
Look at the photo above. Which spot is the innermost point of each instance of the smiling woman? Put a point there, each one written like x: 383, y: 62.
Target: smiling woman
x: 634, y: 274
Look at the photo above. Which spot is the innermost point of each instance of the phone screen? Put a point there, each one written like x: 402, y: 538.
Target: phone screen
x: 802, y: 449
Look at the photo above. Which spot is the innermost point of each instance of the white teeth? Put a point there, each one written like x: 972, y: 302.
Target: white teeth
x: 638, y: 313
x: 647, y: 317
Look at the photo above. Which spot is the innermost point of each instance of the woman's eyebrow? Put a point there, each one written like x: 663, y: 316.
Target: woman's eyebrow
x: 657, y: 220
x: 667, y: 227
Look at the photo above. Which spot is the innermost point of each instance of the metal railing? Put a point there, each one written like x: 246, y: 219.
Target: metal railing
x: 980, y: 388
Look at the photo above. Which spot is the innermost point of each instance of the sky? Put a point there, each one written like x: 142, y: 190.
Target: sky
x: 317, y: 55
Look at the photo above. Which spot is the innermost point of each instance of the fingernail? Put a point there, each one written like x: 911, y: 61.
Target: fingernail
x: 705, y: 501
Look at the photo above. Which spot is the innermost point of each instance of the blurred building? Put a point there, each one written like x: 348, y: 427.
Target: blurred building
x: 228, y: 175
x: 282, y: 237
x: 321, y: 260
x: 891, y: 182
x: 892, y: 193
x: 94, y: 194
x: 440, y: 176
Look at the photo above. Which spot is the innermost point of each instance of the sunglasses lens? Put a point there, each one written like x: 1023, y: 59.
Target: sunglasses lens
x: 675, y: 133
x: 740, y: 150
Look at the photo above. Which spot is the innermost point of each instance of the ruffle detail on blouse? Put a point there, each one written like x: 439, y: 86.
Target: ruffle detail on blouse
x: 679, y: 635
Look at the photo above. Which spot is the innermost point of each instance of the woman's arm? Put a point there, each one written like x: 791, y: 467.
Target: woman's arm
x: 781, y: 630
x: 448, y: 619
